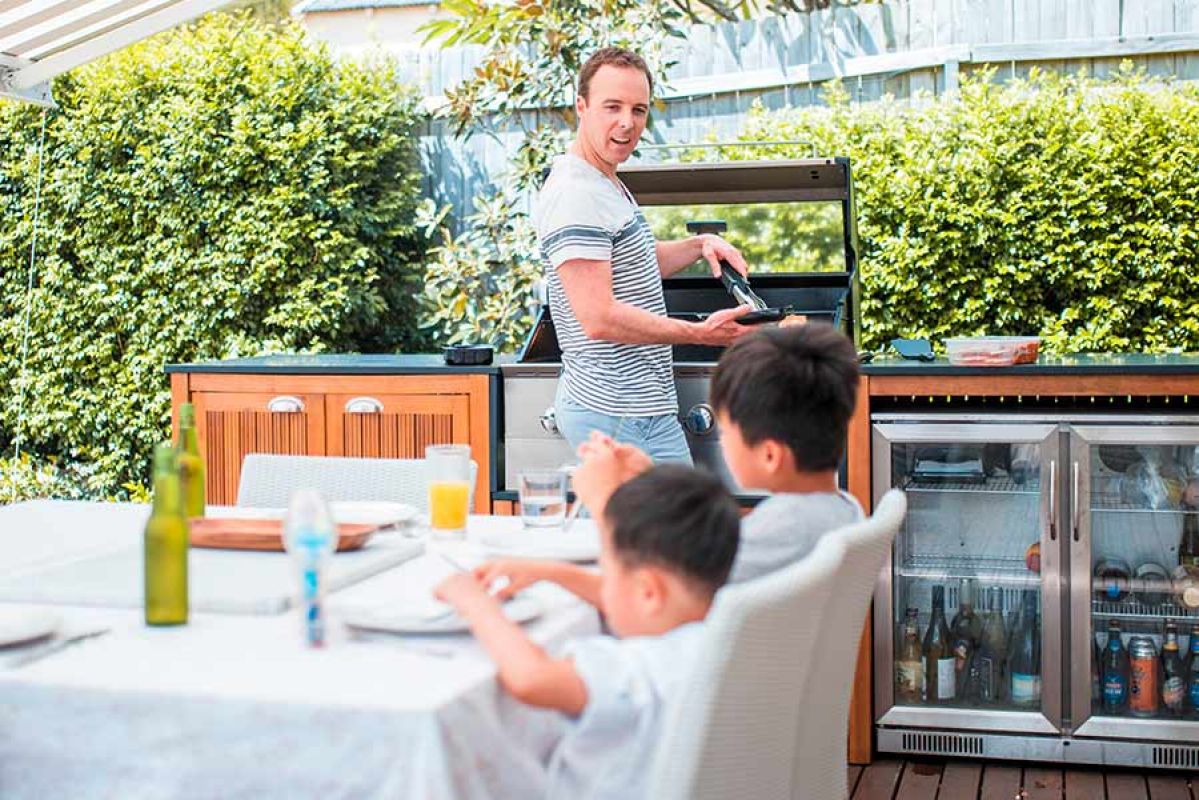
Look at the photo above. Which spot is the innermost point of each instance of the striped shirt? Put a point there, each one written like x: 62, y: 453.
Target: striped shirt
x: 581, y: 214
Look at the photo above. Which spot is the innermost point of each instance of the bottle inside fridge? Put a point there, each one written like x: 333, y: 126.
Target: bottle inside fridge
x: 1144, y: 516
x: 966, y: 576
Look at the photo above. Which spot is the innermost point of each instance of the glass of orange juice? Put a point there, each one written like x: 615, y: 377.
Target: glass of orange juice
x: 448, y: 468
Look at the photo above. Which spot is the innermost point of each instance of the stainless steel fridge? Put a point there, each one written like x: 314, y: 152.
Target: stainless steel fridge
x: 1078, y: 518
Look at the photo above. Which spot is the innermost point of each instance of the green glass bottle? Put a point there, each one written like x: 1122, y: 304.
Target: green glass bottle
x: 190, y: 464
x: 165, y: 545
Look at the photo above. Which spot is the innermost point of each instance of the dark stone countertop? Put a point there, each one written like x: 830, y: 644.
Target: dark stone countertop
x: 343, y: 364
x: 1095, y: 364
x: 432, y: 363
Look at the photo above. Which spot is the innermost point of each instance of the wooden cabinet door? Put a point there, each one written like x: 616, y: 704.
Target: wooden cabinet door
x: 401, y: 425
x: 395, y: 425
x: 232, y: 424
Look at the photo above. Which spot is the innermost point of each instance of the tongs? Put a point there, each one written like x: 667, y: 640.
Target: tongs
x: 737, y: 284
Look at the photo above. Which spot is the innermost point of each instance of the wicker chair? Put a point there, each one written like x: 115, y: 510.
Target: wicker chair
x: 820, y: 757
x: 268, y: 480
x: 734, y: 733
x: 765, y: 710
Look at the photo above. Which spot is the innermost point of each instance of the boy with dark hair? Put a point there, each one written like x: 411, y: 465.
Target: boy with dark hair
x: 783, y: 397
x: 668, y: 538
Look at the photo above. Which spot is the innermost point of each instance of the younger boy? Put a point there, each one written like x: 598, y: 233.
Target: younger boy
x: 783, y: 398
x: 668, y: 538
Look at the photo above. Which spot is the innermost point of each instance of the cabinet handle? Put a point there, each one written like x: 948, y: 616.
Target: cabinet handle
x: 285, y: 404
x: 1074, y: 496
x: 363, y: 405
x: 1053, y: 500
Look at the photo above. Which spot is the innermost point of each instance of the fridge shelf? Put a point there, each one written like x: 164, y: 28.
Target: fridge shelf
x: 1108, y: 501
x: 986, y: 569
x: 1000, y: 484
x: 1139, y: 611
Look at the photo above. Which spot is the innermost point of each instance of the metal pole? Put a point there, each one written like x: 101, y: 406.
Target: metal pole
x: 37, y: 206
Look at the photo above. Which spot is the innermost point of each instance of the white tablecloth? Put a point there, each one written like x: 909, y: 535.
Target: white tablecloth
x: 238, y: 707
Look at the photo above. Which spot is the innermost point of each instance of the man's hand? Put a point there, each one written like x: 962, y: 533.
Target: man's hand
x: 721, y: 328
x: 714, y: 249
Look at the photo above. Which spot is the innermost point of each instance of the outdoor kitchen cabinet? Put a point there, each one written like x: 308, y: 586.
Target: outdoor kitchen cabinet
x: 312, y: 405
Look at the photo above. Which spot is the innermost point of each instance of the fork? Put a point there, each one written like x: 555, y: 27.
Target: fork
x: 50, y: 648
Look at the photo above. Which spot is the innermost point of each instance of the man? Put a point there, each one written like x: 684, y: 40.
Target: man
x: 604, y: 270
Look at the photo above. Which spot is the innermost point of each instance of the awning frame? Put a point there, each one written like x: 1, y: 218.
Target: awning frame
x: 40, y: 39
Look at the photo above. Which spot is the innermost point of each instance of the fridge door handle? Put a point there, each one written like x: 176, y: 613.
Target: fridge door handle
x: 1074, y: 509
x: 1053, y: 500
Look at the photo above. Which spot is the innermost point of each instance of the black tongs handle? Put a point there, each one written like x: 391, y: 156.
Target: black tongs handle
x: 736, y: 285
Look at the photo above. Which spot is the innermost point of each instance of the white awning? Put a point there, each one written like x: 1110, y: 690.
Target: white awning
x: 43, y: 38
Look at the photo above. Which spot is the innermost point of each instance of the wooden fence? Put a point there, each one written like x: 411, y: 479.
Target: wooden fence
x: 898, y: 47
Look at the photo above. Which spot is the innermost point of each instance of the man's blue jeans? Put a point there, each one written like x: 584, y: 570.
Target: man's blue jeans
x: 661, y: 437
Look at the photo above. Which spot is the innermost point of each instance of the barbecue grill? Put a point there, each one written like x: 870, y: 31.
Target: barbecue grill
x: 530, y: 436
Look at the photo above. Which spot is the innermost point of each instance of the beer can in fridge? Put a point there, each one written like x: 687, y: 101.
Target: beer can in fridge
x: 1143, y: 689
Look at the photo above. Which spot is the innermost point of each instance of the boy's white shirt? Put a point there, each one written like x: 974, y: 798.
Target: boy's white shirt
x: 608, y: 751
x: 785, y: 527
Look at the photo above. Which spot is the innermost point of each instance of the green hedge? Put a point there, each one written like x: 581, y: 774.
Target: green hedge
x: 222, y: 190
x: 1058, y: 206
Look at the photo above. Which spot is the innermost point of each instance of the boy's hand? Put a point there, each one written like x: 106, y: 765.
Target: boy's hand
x: 520, y: 572
x: 461, y: 589
x: 606, y: 465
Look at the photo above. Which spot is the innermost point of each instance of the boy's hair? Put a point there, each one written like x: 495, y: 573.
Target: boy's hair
x: 615, y: 57
x: 796, y: 385
x: 679, y: 518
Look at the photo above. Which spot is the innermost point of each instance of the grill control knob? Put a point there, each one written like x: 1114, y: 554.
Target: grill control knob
x: 700, y: 421
x: 549, y: 421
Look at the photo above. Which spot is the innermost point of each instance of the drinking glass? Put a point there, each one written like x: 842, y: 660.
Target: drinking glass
x: 542, y: 498
x: 448, y: 468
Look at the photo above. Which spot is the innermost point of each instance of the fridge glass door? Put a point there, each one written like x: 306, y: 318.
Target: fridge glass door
x: 1135, y: 581
x: 968, y: 631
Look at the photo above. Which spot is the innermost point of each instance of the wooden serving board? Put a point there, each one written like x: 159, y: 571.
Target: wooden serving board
x: 264, y: 534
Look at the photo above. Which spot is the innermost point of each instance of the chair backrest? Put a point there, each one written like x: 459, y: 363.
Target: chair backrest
x: 733, y: 731
x: 268, y: 480
x: 824, y: 721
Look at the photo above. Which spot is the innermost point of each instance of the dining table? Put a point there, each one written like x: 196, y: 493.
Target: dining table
x: 235, y: 703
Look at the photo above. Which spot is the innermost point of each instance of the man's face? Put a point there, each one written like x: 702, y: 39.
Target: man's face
x: 613, y: 115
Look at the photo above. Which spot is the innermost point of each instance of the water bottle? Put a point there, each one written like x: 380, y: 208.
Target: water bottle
x: 311, y: 537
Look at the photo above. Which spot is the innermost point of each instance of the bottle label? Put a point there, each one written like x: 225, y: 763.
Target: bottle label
x: 988, y: 679
x: 1026, y: 689
x: 1194, y: 692
x: 909, y: 679
x: 946, y: 678
x: 1114, y: 690
x: 1173, y: 691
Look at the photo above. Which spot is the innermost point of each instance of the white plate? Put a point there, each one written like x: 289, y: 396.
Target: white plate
x: 20, y: 625
x: 373, y: 513
x: 518, y: 609
x: 555, y: 543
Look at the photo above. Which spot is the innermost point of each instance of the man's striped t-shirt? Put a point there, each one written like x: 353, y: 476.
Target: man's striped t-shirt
x: 581, y: 214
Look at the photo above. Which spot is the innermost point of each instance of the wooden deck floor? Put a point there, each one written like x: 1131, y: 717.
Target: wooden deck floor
x: 898, y: 779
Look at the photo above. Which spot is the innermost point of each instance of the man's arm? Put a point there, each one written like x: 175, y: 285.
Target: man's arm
x: 525, y: 669
x: 674, y: 256
x: 588, y: 286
